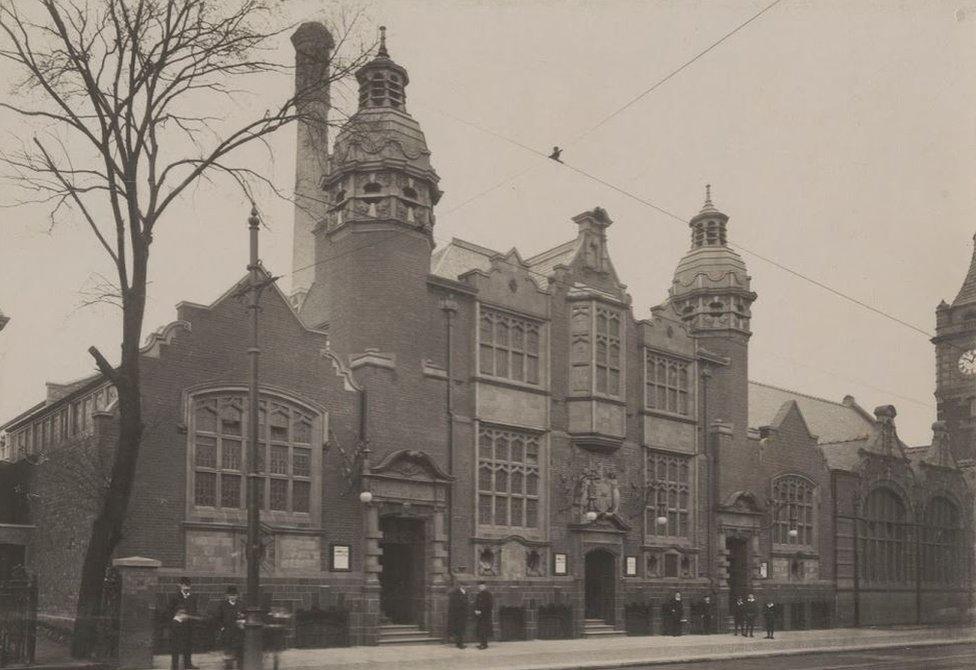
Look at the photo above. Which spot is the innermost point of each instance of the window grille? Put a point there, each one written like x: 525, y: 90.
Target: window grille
x: 793, y: 510
x: 668, y: 494
x: 508, y: 478
x: 219, y: 452
x: 667, y: 387
x: 509, y: 346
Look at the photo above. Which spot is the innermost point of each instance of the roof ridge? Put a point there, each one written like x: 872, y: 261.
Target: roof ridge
x: 552, y: 251
x: 799, y: 393
x: 471, y: 246
x: 835, y: 442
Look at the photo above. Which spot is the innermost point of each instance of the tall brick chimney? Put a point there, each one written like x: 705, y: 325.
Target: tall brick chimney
x: 313, y: 50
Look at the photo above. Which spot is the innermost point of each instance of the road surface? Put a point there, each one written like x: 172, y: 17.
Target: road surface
x: 948, y: 657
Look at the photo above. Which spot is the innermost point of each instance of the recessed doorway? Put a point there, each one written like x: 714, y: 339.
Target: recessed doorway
x: 403, y: 570
x: 599, y: 587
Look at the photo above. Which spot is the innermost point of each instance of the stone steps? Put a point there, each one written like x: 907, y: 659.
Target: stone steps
x: 405, y: 634
x: 600, y: 628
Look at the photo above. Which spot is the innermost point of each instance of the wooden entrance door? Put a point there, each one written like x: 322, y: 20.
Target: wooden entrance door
x: 738, y: 548
x: 403, y: 570
x: 599, y: 586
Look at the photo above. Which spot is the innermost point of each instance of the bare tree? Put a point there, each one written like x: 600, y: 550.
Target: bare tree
x: 119, y: 85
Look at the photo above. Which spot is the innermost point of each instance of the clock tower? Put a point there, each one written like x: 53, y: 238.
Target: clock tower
x: 955, y: 360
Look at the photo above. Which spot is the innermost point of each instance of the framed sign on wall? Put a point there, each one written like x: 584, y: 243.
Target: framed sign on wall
x: 559, y: 566
x: 339, y: 558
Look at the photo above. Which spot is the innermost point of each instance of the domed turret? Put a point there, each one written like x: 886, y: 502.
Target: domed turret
x: 711, y: 290
x: 380, y: 166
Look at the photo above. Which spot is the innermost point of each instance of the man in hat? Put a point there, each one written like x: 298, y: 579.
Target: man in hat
x: 230, y: 627
x: 769, y: 612
x: 457, y: 613
x: 751, y: 609
x: 181, y: 614
x: 706, y: 614
x: 674, y: 614
x: 738, y: 616
x: 483, y: 606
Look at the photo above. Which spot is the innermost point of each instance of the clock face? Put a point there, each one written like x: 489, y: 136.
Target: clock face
x: 967, y: 363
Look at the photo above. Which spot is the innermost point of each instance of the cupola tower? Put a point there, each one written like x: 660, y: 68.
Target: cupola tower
x: 710, y: 292
x: 373, y: 246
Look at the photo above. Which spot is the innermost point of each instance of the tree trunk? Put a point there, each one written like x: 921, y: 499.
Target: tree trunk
x: 108, y: 525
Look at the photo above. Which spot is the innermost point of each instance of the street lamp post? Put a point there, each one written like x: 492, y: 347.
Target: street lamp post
x: 253, y: 625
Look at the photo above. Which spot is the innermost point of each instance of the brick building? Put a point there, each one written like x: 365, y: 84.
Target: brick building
x: 462, y: 411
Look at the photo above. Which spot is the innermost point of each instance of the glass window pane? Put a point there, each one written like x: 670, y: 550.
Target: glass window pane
x: 279, y: 494
x: 303, y: 430
x: 206, y: 452
x: 301, y: 492
x: 230, y: 491
x: 230, y: 454
x: 206, y: 419
x: 279, y: 460
x: 301, y: 462
x: 205, y: 489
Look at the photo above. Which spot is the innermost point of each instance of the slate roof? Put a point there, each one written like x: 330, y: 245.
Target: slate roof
x: 830, y: 421
x: 843, y: 455
x: 967, y: 293
x: 458, y: 257
x: 547, y: 261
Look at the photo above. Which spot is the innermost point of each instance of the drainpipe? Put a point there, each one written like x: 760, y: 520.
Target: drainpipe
x: 857, y: 567
x: 918, y: 573
x: 711, y: 459
x: 450, y: 307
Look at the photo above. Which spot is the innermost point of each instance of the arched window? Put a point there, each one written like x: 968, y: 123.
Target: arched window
x: 942, y: 542
x: 794, y: 510
x: 884, y: 538
x: 218, y: 452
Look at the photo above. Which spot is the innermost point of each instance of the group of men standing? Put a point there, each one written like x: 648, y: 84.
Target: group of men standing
x: 673, y: 615
x: 228, y: 617
x: 744, y: 614
x: 745, y: 611
x: 458, y: 609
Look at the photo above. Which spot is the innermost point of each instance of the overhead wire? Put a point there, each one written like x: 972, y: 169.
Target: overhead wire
x: 608, y: 117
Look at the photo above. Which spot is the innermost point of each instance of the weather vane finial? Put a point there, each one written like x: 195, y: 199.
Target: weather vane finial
x: 383, y: 51
x: 708, y: 194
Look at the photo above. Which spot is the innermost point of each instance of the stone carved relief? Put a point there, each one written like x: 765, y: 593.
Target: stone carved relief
x: 597, y: 490
x: 488, y: 562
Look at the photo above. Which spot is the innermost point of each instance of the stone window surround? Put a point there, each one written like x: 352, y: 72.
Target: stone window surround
x: 593, y: 306
x: 690, y: 369
x: 320, y: 426
x: 493, y: 532
x: 542, y: 356
x: 891, y: 541
x: 780, y: 516
x: 651, y: 506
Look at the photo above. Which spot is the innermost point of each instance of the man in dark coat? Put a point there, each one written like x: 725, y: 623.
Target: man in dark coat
x: 229, y: 618
x: 674, y: 612
x: 769, y: 612
x: 751, y: 610
x: 705, y: 611
x: 181, y: 614
x: 483, y: 605
x: 738, y: 616
x: 457, y: 613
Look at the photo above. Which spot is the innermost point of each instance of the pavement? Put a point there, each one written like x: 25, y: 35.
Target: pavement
x: 593, y: 653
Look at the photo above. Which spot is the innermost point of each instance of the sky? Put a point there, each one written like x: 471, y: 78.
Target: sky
x: 838, y: 136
